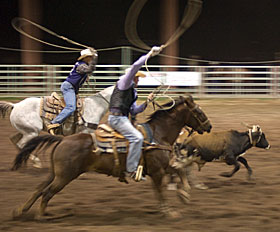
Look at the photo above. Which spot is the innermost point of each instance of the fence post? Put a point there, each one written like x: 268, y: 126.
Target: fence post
x: 201, y: 90
x: 126, y: 56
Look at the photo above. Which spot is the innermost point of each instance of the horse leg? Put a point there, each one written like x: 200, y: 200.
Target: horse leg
x: 157, y: 178
x: 184, y: 187
x: 245, y: 163
x: 193, y: 179
x: 25, y: 138
x: 32, y: 199
x: 56, y: 186
x: 15, y: 138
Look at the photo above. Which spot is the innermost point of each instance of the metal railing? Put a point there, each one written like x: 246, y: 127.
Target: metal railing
x: 21, y: 81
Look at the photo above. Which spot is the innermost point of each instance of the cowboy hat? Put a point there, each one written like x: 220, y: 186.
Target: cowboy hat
x: 86, y: 52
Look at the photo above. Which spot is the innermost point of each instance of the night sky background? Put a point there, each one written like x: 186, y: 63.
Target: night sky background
x: 226, y: 30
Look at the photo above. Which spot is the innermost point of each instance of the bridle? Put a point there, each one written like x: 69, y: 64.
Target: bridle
x: 195, y: 112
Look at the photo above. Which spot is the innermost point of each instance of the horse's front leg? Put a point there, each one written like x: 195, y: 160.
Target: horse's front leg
x: 157, y: 178
x: 184, y: 189
x: 194, y: 181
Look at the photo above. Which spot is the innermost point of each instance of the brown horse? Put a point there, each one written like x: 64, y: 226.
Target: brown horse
x: 75, y: 154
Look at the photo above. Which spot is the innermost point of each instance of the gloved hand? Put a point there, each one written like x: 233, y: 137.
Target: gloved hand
x: 155, y: 51
x: 150, y: 97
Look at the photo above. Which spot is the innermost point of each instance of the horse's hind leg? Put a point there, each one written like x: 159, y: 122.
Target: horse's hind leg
x: 25, y: 138
x: 32, y: 199
x: 56, y: 186
x: 15, y: 138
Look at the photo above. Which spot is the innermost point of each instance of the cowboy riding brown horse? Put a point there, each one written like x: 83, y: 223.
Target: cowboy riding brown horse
x: 76, y: 154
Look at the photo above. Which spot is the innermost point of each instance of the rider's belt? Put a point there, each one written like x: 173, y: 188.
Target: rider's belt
x: 117, y: 114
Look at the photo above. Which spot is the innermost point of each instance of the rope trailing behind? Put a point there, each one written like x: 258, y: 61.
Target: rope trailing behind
x: 191, y: 13
x: 18, y: 23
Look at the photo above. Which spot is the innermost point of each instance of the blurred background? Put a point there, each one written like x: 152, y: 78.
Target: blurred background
x: 232, y: 47
x: 231, y: 30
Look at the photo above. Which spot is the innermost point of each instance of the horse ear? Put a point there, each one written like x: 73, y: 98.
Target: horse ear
x: 181, y: 98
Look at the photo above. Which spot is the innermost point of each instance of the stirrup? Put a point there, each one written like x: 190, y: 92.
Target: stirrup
x: 51, y: 128
x: 138, y: 176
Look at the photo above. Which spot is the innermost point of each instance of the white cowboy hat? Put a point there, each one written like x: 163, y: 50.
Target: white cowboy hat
x: 86, y: 52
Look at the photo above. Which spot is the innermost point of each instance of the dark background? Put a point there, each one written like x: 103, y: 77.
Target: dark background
x: 226, y: 30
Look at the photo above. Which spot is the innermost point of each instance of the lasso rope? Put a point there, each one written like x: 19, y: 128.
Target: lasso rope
x: 191, y: 13
x: 18, y: 28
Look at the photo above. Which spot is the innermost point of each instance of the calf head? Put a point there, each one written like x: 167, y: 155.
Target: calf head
x: 258, y: 137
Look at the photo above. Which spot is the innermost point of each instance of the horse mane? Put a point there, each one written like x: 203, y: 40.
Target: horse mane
x: 161, y: 112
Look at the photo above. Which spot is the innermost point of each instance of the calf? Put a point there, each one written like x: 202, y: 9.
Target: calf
x: 227, y: 146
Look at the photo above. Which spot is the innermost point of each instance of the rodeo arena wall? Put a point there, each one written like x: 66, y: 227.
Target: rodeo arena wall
x: 202, y: 81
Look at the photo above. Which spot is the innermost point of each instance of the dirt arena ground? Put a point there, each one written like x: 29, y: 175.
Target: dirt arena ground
x: 101, y: 203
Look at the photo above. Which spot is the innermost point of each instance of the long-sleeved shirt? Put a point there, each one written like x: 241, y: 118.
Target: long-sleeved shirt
x: 127, y: 80
x: 78, y: 74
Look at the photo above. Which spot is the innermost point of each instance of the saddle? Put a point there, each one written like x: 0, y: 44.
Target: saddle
x: 110, y: 141
x: 52, y: 105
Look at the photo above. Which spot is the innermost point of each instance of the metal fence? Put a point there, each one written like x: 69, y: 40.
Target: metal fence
x: 21, y: 81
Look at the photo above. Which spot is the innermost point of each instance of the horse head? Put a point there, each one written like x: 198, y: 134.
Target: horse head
x: 168, y: 121
x: 196, y: 118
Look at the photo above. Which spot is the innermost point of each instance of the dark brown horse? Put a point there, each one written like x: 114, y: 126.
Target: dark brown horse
x: 75, y: 154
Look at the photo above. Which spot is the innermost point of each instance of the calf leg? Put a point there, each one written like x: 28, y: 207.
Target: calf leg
x: 231, y: 160
x: 245, y: 163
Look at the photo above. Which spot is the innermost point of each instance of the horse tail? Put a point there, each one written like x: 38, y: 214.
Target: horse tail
x: 35, y: 144
x: 6, y: 108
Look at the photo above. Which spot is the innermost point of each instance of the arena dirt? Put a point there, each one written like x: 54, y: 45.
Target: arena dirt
x: 100, y: 203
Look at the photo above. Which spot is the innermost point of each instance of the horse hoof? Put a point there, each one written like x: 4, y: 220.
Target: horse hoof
x: 36, y: 161
x: 173, y: 215
x: 16, y: 213
x: 183, y: 196
x: 201, y: 186
x: 172, y: 186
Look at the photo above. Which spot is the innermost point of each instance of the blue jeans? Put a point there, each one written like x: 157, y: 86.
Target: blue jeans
x: 135, y: 138
x: 70, y: 101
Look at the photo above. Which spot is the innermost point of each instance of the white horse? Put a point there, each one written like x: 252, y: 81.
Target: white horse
x: 25, y: 116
